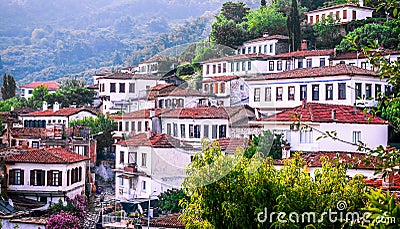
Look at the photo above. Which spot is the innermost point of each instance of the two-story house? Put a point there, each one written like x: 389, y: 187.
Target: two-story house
x: 339, y: 84
x: 267, y: 44
x: 184, y: 98
x: 44, y: 175
x: 229, y: 90
x: 27, y: 90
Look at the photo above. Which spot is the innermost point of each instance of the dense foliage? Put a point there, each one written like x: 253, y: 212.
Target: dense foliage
x: 69, y: 216
x: 267, y: 143
x: 168, y: 201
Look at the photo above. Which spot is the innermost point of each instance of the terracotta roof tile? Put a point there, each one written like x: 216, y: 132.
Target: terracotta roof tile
x: 51, y: 85
x: 305, y: 53
x: 28, y: 132
x: 129, y: 76
x: 156, y: 140
x: 184, y: 93
x: 230, y: 145
x: 166, y: 221
x: 353, y: 55
x: 337, y: 70
x: 140, y: 114
x: 45, y: 156
x: 62, y: 112
x: 322, y: 113
x: 197, y: 113
x: 220, y: 78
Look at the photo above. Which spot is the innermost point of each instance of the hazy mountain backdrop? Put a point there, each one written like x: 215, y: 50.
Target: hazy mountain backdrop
x: 46, y: 40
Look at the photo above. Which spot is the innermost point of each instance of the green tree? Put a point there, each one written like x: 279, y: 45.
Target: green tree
x: 168, y: 201
x: 14, y: 102
x: 8, y: 86
x: 96, y: 125
x: 265, y: 20
x: 328, y: 33
x: 267, y: 143
x: 293, y: 26
x: 38, y: 97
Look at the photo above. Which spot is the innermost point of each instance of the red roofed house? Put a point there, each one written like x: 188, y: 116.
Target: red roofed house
x: 339, y: 84
x: 26, y: 90
x: 149, y: 164
x: 350, y: 126
x: 44, y: 175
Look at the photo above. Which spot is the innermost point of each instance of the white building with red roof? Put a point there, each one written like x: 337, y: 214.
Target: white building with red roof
x: 359, y: 59
x: 184, y: 98
x: 44, y: 175
x: 351, y: 126
x: 27, y: 90
x: 267, y: 44
x: 343, y: 13
x: 339, y: 84
x: 149, y: 162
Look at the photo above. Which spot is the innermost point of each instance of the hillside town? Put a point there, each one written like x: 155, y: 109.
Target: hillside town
x: 141, y: 135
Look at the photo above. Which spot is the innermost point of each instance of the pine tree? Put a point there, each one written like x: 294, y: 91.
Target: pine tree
x: 8, y: 87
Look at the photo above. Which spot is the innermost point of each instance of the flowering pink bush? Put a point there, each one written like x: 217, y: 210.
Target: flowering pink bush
x: 69, y: 216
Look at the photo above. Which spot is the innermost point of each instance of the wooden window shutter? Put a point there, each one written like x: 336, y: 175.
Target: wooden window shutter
x: 11, y: 179
x: 32, y: 180
x: 59, y: 178
x: 49, y: 178
x: 22, y: 177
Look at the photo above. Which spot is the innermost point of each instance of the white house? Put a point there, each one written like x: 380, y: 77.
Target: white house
x: 147, y: 162
x: 344, y: 13
x: 184, y: 98
x: 350, y: 125
x: 126, y: 91
x: 267, y: 44
x: 229, y: 90
x: 339, y: 84
x: 50, y: 117
x: 156, y: 65
x: 45, y: 175
x: 27, y: 90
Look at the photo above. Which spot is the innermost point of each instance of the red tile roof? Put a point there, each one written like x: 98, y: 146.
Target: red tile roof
x: 237, y: 57
x: 339, y: 6
x: 44, y: 156
x: 129, y: 76
x: 166, y: 221
x: 184, y: 93
x: 353, y: 55
x: 28, y: 132
x: 197, y: 113
x: 354, y: 160
x: 220, y: 78
x: 140, y: 114
x: 267, y: 38
x: 231, y: 144
x: 322, y: 113
x: 337, y: 70
x: 51, y: 85
x: 156, y: 140
x: 62, y: 112
x: 305, y: 53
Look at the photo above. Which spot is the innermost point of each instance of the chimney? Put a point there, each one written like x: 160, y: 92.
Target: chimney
x: 361, y: 2
x: 303, y: 103
x: 45, y: 105
x: 56, y: 106
x: 285, y: 151
x: 304, y: 45
x: 148, y: 133
x: 333, y: 115
x: 265, y: 35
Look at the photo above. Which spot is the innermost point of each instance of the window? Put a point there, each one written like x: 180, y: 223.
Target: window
x: 131, y: 87
x: 279, y: 65
x: 306, y: 136
x: 112, y: 87
x: 358, y: 90
x: 354, y: 15
x: 183, y: 134
x: 35, y: 144
x: 364, y: 65
x: 315, y: 92
x: 256, y: 94
x: 196, y: 131
x: 237, y: 66
x: 291, y: 93
x: 222, y: 131
x: 169, y: 128
x: 311, y: 19
x: 139, y: 126
x: 191, y: 131
x: 232, y: 67
x: 222, y: 88
x: 205, y: 130
x: 271, y: 66
x: 265, y: 49
x: 175, y: 130
x: 121, y: 87
x: 16, y: 177
x: 271, y: 48
x: 243, y: 66
x: 342, y: 91
x: 323, y: 16
x: 300, y: 64
x: 54, y: 178
x: 144, y: 185
x: 344, y: 14
x: 303, y: 92
x: 368, y: 91
x: 249, y: 65
x: 316, y: 18
x: 132, y: 157
x: 378, y: 90
x: 216, y: 88
x: 259, y: 49
x: 254, y: 49
x: 309, y: 63
x: 248, y: 50
x: 119, y: 126
x: 208, y: 69
x: 214, y: 131
x: 37, y: 178
x: 329, y: 92
x: 268, y: 94
x: 279, y: 93
x: 144, y: 159
x: 121, y: 157
x: 126, y: 126
x: 214, y: 68
x: 356, y: 136
x: 322, y: 62
x: 224, y: 67
x: 337, y: 15
x: 133, y: 126
x: 388, y: 89
x: 288, y: 65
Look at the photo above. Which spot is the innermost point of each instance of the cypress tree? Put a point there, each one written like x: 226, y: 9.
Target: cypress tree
x: 293, y: 25
x: 8, y: 86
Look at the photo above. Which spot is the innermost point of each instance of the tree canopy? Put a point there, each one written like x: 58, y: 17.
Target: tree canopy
x: 265, y: 20
x: 8, y: 87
